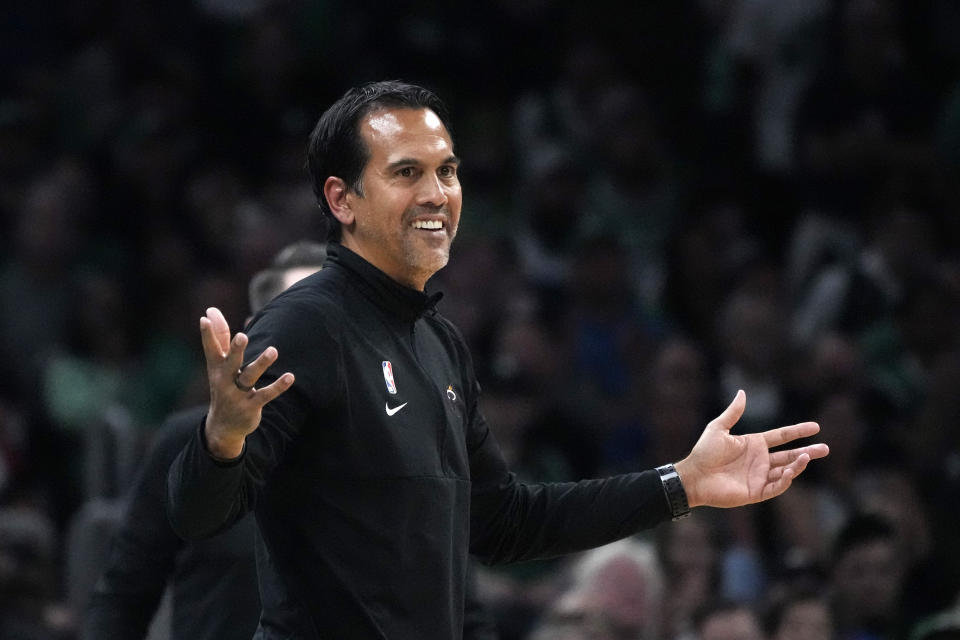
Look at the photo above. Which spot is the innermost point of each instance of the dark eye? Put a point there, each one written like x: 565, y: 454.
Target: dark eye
x: 447, y: 171
x: 405, y: 172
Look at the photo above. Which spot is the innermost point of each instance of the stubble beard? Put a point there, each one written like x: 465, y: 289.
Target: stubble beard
x: 427, y: 260
x: 418, y: 253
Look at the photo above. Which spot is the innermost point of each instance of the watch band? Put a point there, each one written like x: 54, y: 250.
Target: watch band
x: 674, y: 491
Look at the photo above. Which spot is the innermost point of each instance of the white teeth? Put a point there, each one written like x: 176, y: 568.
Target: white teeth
x: 428, y: 224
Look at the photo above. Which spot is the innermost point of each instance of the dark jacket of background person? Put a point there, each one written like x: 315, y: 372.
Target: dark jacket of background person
x: 365, y: 518
x: 214, y: 581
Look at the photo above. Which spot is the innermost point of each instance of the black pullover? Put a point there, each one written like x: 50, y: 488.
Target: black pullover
x: 375, y: 474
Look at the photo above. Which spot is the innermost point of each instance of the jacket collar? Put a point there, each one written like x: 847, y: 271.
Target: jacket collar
x: 405, y: 303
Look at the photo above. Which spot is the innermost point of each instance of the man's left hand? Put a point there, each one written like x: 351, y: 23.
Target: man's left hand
x: 726, y: 470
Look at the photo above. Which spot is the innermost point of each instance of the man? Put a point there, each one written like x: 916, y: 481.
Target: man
x: 374, y: 475
x: 214, y: 585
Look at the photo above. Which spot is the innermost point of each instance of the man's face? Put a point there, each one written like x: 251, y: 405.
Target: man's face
x: 408, y: 214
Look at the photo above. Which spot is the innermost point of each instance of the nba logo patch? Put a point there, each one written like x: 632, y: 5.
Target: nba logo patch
x: 388, y: 377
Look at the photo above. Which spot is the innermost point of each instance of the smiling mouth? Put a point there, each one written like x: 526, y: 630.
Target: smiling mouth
x: 429, y: 225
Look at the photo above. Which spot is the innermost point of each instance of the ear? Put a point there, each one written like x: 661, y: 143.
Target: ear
x: 337, y: 194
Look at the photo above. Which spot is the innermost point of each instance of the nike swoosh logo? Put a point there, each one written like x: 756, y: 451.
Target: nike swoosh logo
x: 390, y: 411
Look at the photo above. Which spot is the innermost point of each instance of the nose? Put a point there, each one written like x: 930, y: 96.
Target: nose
x: 432, y: 192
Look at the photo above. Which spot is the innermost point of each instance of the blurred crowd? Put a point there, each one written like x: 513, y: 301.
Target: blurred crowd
x: 664, y: 203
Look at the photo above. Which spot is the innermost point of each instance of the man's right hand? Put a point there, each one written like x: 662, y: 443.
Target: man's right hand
x: 235, y: 403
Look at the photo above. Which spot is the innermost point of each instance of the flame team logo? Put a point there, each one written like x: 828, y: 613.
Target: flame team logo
x: 388, y: 377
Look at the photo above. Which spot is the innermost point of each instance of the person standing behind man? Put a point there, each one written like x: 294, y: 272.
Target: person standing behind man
x: 375, y: 475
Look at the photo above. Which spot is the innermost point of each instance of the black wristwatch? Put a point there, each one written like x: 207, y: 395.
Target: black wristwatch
x: 673, y: 489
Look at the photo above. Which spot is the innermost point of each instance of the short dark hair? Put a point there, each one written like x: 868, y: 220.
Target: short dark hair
x: 336, y: 147
x: 267, y: 284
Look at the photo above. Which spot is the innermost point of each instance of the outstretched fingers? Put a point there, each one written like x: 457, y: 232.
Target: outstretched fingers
x: 783, y: 435
x: 248, y: 376
x: 274, y: 389
x: 783, y: 458
x: 780, y: 478
x: 234, y: 360
x: 225, y: 365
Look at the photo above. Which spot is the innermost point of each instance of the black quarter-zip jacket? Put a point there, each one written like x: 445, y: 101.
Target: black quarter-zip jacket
x: 375, y: 475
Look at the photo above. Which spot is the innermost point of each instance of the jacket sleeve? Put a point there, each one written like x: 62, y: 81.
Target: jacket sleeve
x: 144, y: 551
x: 511, y: 521
x: 207, y: 495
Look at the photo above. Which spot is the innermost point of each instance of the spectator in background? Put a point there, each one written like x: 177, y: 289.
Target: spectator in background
x: 29, y: 609
x: 47, y: 241
x: 855, y: 290
x: 93, y: 378
x: 564, y: 114
x: 678, y: 395
x: 671, y: 399
x: 867, y: 578
x: 776, y: 48
x: 608, y: 334
x: 864, y: 122
x: 690, y: 557
x: 96, y: 369
x: 483, y: 305
x: 904, y: 356
x: 46, y: 236
x: 552, y: 202
x: 709, y: 253
x: 931, y: 575
x: 635, y: 192
x: 808, y: 522
x: 617, y: 593
x: 751, y: 337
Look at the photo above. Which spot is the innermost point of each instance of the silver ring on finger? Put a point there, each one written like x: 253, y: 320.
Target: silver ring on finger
x: 241, y: 386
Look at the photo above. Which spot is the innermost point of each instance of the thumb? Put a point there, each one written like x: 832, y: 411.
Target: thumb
x: 732, y: 413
